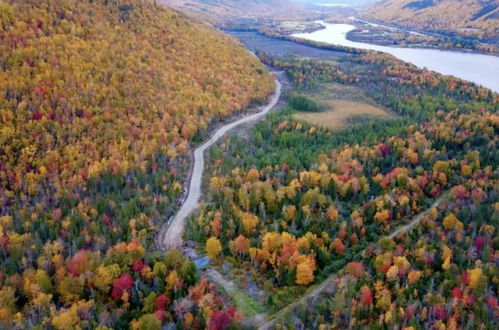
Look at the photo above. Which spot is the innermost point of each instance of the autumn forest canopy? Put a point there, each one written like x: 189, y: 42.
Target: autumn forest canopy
x: 99, y: 101
x: 378, y: 221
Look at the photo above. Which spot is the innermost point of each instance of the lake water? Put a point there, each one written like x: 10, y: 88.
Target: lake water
x: 478, y: 68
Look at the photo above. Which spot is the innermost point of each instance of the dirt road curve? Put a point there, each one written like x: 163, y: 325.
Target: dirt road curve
x: 172, y: 237
x: 419, y: 217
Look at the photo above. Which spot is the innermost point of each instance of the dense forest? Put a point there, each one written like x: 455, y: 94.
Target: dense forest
x: 442, y: 274
x: 298, y: 202
x: 99, y: 100
x: 393, y: 218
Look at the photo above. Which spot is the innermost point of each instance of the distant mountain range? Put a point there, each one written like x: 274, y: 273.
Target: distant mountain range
x: 220, y: 12
x: 476, y: 18
x: 470, y: 18
x: 217, y: 11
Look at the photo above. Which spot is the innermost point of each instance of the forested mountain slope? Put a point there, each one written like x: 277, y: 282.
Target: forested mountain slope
x: 80, y: 75
x: 476, y: 18
x: 98, y: 101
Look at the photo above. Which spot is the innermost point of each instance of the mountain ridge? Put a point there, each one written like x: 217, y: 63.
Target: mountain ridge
x: 468, y: 18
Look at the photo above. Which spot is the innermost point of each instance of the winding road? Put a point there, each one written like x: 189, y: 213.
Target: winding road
x: 171, y: 237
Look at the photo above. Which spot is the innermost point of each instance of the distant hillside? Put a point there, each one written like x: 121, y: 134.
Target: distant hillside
x: 220, y: 11
x: 476, y: 18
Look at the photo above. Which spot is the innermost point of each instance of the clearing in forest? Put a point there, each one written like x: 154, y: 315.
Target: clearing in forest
x: 339, y: 111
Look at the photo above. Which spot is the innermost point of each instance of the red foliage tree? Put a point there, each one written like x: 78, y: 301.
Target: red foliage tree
x: 440, y: 313
x: 461, y: 192
x: 138, y: 265
x: 465, y: 278
x: 107, y: 220
x: 356, y: 268
x: 162, y: 302
x: 160, y: 315
x: 384, y: 149
x: 77, y: 264
x: 410, y: 310
x: 122, y: 285
x: 479, y: 243
x: 492, y: 301
x: 37, y: 115
x: 456, y: 293
x: 366, y: 296
x: 222, y: 319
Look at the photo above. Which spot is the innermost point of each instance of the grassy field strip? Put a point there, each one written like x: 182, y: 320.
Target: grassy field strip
x: 338, y: 113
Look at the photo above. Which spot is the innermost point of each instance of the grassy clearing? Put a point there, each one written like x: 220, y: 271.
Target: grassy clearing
x: 246, y: 305
x: 339, y: 112
x: 342, y: 104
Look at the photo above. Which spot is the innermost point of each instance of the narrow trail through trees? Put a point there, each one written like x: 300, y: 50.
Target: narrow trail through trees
x: 324, y: 284
x: 170, y: 235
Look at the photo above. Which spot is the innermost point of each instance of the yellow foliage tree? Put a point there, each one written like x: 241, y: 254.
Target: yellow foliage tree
x: 476, y: 277
x: 105, y: 276
x: 452, y: 223
x: 66, y: 319
x: 289, y: 212
x: 402, y: 263
x: 172, y: 279
x: 446, y: 264
x: 383, y: 296
x: 304, y: 274
x: 213, y: 247
x: 414, y: 276
x: 392, y: 273
x: 253, y: 175
x: 249, y: 222
x: 332, y: 213
x: 466, y: 170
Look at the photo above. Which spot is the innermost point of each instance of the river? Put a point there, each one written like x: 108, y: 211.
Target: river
x: 478, y: 68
